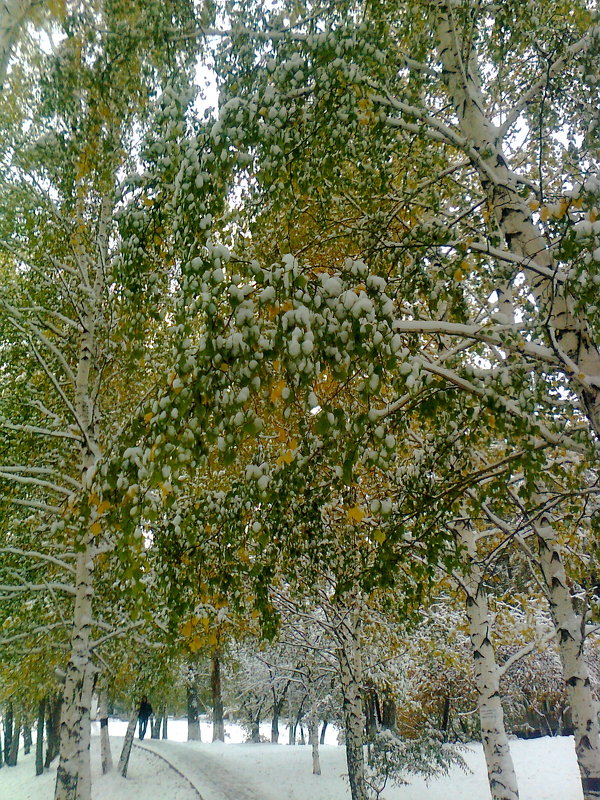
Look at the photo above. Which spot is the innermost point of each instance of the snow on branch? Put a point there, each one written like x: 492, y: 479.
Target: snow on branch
x: 42, y: 556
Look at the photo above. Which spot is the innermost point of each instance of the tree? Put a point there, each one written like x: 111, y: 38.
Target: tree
x: 69, y: 302
x: 405, y: 312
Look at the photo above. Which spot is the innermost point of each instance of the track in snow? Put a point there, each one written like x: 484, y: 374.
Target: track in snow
x: 203, y: 772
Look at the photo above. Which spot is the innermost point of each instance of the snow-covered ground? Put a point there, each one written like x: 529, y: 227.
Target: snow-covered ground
x: 546, y: 769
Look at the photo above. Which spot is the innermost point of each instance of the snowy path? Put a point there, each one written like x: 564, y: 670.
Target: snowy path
x: 180, y: 770
x: 172, y: 766
x: 204, y: 771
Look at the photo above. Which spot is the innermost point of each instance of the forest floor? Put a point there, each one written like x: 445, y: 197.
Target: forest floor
x: 179, y: 770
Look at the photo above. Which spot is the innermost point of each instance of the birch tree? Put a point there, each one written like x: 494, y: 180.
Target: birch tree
x: 64, y: 153
x: 548, y: 558
x: 571, y: 633
x: 501, y: 772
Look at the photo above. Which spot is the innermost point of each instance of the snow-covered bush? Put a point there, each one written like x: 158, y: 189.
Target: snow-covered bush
x: 393, y: 759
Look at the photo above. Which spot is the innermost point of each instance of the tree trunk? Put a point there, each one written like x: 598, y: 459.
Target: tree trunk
x: 39, y: 739
x: 323, y: 729
x: 370, y: 712
x: 217, y: 698
x: 277, y: 707
x: 388, y: 711
x: 26, y: 737
x: 313, y: 738
x: 8, y: 731
x: 155, y: 723
x: 73, y: 778
x: 105, y: 753
x: 291, y: 724
x: 275, y: 725
x: 584, y: 707
x: 164, y: 724
x: 192, y: 712
x: 13, y: 753
x: 298, y: 723
x: 53, y: 729
x: 500, y: 768
x: 128, y: 743
x: 445, y: 724
x: 349, y: 660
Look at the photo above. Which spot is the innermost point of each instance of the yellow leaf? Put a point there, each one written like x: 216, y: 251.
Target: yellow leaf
x: 243, y: 555
x: 459, y: 275
x: 562, y: 209
x: 379, y: 537
x: 104, y: 506
x: 94, y: 499
x: 148, y: 416
x: 544, y: 214
x: 195, y: 644
x: 186, y: 628
x: 57, y: 8
x: 96, y: 528
x: 285, y: 458
x: 277, y: 390
x: 534, y: 205
x: 593, y: 215
x: 356, y: 514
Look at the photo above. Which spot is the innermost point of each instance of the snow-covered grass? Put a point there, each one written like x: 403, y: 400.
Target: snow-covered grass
x: 546, y: 769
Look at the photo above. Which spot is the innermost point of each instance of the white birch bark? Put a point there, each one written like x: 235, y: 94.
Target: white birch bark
x: 73, y: 777
x: 571, y: 639
x: 105, y: 753
x: 500, y: 768
x: 313, y: 738
x: 569, y: 333
x: 349, y: 659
